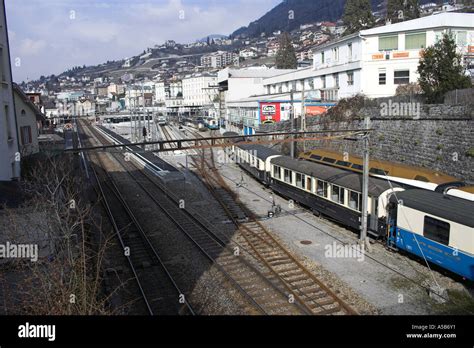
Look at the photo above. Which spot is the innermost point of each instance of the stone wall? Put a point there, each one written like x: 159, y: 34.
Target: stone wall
x: 439, y: 137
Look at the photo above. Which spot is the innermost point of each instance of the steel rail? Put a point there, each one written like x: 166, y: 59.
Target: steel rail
x: 221, y: 183
x: 115, y: 190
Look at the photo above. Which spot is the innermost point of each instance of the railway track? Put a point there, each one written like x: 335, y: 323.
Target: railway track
x: 157, y: 287
x: 263, y: 293
x: 302, y: 284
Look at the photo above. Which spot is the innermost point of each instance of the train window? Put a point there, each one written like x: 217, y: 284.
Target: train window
x: 309, y: 185
x: 357, y: 166
x: 321, y: 188
x: 436, y: 230
x: 354, y: 200
x: 300, y: 180
x: 287, y: 175
x: 337, y: 194
x: 377, y: 171
x: 276, y: 172
x: 343, y: 163
x: 316, y: 157
x: 329, y: 160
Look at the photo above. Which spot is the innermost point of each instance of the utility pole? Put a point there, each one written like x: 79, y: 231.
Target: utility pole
x: 303, y: 114
x: 365, y: 185
x: 292, y: 122
x: 143, y: 110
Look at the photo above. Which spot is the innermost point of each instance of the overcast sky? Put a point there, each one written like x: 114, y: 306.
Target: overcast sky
x: 50, y: 36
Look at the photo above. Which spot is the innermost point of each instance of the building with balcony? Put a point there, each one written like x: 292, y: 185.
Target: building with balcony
x: 376, y: 61
x: 219, y: 59
x: 199, y: 90
x: 372, y: 62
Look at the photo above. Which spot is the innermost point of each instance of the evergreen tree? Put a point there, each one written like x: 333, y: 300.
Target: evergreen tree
x: 286, y: 56
x: 357, y: 16
x: 440, y: 70
x: 402, y: 10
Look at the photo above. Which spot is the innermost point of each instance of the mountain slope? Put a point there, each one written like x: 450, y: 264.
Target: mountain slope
x: 304, y: 11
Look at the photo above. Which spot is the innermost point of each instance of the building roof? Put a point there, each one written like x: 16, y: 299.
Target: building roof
x: 258, y: 72
x: 440, y: 20
x: 333, y: 175
x: 39, y: 115
x: 435, y: 203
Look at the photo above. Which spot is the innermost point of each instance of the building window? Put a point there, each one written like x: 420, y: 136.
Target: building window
x: 382, y: 77
x: 2, y: 68
x: 387, y: 43
x: 287, y: 175
x: 26, y: 135
x: 7, y: 123
x: 415, y: 41
x: 322, y: 57
x: 401, y: 77
x: 337, y: 194
x: 461, y: 38
x: 350, y: 78
x: 436, y: 230
x: 335, y: 53
x: 349, y: 48
x: 323, y: 81
x: 354, y: 200
x: 336, y: 80
x: 23, y: 112
x: 321, y: 188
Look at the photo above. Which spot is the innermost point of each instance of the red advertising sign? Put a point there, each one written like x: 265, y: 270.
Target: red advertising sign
x: 269, y: 112
x: 313, y: 110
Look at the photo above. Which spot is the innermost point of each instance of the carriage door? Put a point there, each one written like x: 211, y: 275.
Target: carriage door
x: 373, y: 223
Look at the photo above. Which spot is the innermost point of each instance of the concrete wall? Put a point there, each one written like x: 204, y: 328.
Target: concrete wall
x: 440, y: 137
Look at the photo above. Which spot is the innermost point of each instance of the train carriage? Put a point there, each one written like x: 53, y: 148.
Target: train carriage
x: 435, y: 226
x: 334, y: 192
x: 426, y: 223
x: 255, y: 159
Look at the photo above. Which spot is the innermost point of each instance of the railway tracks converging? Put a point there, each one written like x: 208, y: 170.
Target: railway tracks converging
x: 264, y: 294
x: 302, y: 285
x: 156, y: 285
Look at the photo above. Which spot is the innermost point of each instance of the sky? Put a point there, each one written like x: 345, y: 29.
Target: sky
x: 50, y: 36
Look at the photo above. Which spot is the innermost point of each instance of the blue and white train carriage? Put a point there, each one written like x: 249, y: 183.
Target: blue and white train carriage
x: 434, y: 226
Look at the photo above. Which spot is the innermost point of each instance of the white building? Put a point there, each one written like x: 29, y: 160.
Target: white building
x: 376, y: 61
x: 29, y: 121
x: 160, y: 92
x: 9, y: 144
x: 219, y: 59
x: 248, y: 53
x: 199, y: 90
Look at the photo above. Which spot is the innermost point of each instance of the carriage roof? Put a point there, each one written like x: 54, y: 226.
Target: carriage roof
x: 333, y: 175
x: 436, y: 203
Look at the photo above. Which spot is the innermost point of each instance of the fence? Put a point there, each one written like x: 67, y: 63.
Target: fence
x: 460, y: 96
